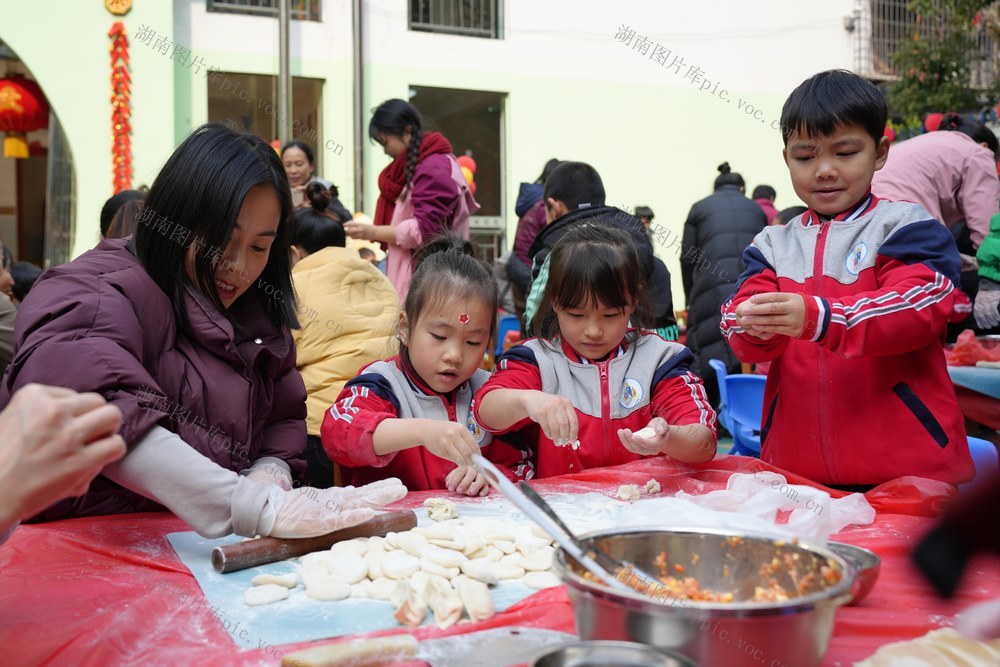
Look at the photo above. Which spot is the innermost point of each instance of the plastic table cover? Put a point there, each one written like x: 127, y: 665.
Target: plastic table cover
x: 110, y: 590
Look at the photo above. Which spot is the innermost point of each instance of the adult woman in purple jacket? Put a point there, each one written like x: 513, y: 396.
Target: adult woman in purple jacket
x: 186, y: 329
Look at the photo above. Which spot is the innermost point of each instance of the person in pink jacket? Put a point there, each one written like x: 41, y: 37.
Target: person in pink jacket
x: 951, y: 172
x: 421, y: 193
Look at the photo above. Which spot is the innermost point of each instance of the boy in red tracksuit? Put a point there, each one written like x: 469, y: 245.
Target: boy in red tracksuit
x: 850, y: 302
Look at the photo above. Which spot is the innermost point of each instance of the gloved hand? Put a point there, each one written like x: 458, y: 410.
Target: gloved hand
x: 270, y: 470
x: 987, y: 306
x: 308, y: 512
x: 980, y: 621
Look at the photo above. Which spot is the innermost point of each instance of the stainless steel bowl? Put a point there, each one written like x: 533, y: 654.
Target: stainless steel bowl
x: 741, y: 633
x: 866, y: 565
x: 609, y: 654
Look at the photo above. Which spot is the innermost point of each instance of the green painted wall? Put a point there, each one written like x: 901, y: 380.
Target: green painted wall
x: 653, y: 145
x: 66, y: 47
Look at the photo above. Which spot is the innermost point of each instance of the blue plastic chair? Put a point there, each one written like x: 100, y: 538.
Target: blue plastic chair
x: 987, y: 461
x: 746, y: 405
x: 507, y: 323
x: 720, y: 374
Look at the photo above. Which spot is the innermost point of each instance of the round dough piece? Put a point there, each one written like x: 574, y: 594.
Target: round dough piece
x: 399, y: 565
x: 264, y: 594
x: 540, y: 580
x: 443, y: 557
x: 286, y: 580
x: 381, y: 588
x: 535, y: 560
x: 326, y: 589
x: 357, y: 546
x: 349, y: 568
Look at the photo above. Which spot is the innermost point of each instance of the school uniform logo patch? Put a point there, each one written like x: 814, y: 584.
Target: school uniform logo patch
x: 858, y: 254
x: 631, y: 394
x: 478, y: 434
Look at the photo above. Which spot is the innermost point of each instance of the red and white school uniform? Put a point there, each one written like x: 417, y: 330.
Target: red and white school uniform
x: 391, y: 389
x: 648, y: 378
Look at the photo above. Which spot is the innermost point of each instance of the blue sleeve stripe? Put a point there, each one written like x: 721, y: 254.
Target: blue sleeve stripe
x: 676, y: 366
x: 521, y: 353
x: 926, y: 242
x: 753, y: 260
x: 378, y: 384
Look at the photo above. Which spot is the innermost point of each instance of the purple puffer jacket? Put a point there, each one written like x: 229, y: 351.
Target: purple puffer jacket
x: 100, y: 323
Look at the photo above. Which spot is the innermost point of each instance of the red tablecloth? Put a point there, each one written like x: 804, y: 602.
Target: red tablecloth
x: 91, y: 591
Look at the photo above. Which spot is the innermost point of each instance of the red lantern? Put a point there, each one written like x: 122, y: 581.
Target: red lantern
x: 23, y: 108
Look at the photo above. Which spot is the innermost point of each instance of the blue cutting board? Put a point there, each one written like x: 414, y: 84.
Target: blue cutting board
x: 300, y: 618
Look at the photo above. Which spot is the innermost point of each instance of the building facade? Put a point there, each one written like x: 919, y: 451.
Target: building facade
x: 654, y: 94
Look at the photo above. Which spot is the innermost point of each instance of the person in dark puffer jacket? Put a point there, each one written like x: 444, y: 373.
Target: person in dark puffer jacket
x: 717, y: 230
x: 574, y: 193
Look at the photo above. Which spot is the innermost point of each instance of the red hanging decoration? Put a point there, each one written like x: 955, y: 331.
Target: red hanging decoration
x: 121, y: 91
x: 23, y: 108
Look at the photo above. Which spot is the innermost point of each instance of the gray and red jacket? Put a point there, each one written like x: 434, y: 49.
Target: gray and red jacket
x: 863, y: 395
x: 392, y: 389
x: 648, y: 378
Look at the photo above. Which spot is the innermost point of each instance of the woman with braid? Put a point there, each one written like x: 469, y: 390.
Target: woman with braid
x: 421, y: 193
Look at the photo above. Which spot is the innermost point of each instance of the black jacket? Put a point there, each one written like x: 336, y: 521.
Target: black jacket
x: 555, y: 230
x: 717, y: 231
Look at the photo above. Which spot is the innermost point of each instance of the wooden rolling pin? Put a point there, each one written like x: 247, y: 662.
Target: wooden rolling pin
x: 241, y: 555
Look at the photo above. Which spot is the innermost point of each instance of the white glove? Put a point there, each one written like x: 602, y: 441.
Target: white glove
x: 270, y: 470
x: 987, y: 306
x: 308, y: 512
x: 980, y: 621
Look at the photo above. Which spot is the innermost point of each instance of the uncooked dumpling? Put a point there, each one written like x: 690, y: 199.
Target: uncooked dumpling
x: 265, y: 594
x: 441, y: 509
x: 652, y: 487
x: 359, y: 590
x: 477, y: 598
x: 286, y: 580
x: 444, y: 601
x: 540, y: 580
x: 413, y: 608
x: 628, y: 492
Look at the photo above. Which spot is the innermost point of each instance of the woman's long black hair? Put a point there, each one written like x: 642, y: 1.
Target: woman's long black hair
x: 196, y: 200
